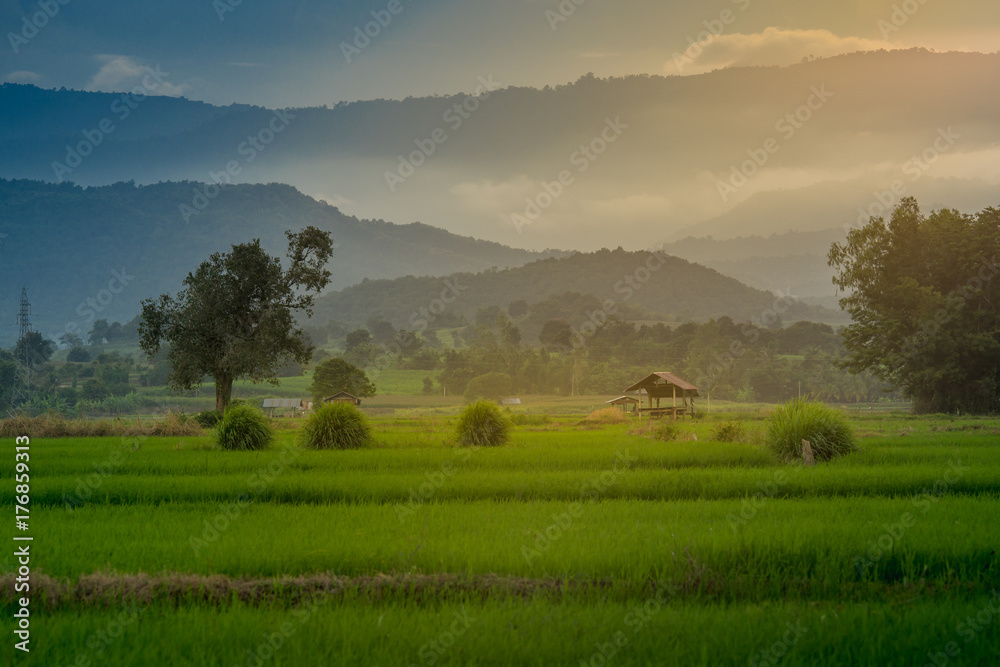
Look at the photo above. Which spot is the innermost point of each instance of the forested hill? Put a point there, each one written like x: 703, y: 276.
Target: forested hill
x: 674, y: 288
x: 64, y: 243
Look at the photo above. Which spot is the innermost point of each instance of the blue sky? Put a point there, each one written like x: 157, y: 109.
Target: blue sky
x: 292, y: 52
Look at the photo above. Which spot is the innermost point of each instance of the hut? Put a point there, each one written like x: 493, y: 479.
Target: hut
x: 628, y: 404
x: 290, y: 403
x: 343, y: 397
x: 662, y: 385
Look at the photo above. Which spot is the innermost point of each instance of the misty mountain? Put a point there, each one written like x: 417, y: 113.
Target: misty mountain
x: 646, y: 153
x: 661, y: 285
x: 90, y: 253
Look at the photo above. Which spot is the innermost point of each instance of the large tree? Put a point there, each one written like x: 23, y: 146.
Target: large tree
x: 234, y: 318
x: 334, y: 375
x: 924, y: 295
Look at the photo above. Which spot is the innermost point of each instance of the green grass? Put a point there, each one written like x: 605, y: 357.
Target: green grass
x: 506, y: 632
x: 745, y: 543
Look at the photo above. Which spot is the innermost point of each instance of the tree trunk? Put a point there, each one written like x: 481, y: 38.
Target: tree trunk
x: 223, y: 392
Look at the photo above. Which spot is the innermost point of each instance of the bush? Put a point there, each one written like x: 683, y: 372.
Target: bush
x: 208, y: 418
x: 244, y: 428
x: 666, y: 430
x: 492, y: 386
x: 337, y: 426
x: 729, y: 431
x: 483, y: 425
x: 78, y: 354
x: 826, y: 429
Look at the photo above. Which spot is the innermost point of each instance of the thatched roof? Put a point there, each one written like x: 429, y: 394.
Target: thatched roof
x: 661, y: 384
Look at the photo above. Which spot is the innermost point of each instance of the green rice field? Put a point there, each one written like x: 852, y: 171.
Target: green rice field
x: 576, y: 544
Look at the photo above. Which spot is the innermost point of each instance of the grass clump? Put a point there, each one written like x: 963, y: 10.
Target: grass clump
x: 826, y: 429
x: 243, y: 428
x: 337, y: 426
x: 482, y: 424
x: 521, y: 419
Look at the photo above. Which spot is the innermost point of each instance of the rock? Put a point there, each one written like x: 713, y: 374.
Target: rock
x: 807, y: 454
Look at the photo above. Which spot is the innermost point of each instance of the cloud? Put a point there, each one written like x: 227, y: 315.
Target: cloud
x: 125, y: 73
x: 773, y: 46
x: 22, y: 76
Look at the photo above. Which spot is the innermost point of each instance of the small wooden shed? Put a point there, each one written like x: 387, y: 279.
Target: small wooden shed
x: 343, y: 397
x: 663, y: 385
x: 628, y: 404
x: 271, y: 403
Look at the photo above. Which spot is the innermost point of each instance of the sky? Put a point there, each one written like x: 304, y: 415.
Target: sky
x: 290, y: 53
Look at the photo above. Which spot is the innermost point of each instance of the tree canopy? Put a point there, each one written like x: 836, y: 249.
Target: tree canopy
x: 924, y: 295
x: 234, y: 318
x: 334, y: 375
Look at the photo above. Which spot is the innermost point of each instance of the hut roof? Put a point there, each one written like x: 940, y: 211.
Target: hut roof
x: 342, y: 396
x: 622, y: 399
x: 282, y: 403
x: 662, y: 383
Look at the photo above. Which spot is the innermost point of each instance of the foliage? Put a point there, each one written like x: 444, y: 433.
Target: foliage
x: 828, y: 431
x: 481, y: 424
x: 34, y: 349
x: 729, y: 431
x: 235, y: 316
x: 922, y: 292
x: 337, y: 426
x: 666, y: 430
x: 491, y: 386
x: 78, y: 354
x: 208, y: 418
x: 335, y: 375
x: 244, y: 428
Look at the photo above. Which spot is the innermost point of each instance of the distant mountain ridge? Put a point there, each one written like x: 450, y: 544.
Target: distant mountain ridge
x: 66, y: 244
x: 682, y: 136
x: 658, y: 283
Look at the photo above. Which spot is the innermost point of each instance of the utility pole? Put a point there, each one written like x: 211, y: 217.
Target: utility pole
x: 22, y: 376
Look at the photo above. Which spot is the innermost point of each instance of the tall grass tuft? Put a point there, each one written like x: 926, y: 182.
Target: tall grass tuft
x: 826, y: 429
x: 58, y: 426
x: 243, y: 428
x: 482, y: 424
x: 337, y: 426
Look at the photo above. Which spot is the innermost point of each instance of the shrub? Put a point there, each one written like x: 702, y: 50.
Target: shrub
x: 826, y: 429
x: 78, y: 354
x: 337, y: 426
x: 729, y: 431
x: 666, y: 430
x: 491, y: 386
x: 208, y: 418
x: 605, y: 416
x: 245, y: 428
x: 482, y: 424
